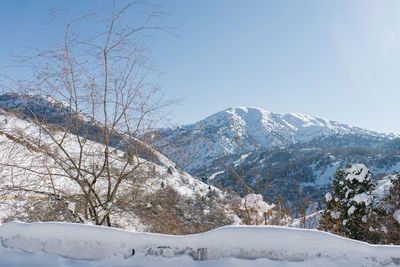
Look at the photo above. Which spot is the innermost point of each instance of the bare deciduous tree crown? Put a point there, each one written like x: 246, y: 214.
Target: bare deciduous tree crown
x: 104, y: 75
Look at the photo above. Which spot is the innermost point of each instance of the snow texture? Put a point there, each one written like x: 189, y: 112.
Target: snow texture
x: 328, y: 197
x: 60, y: 244
x: 351, y: 210
x: 362, y: 198
x: 358, y: 172
x: 256, y: 202
x: 383, y: 186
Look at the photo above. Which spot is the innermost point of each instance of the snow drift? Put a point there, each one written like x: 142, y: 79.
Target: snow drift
x: 86, y: 242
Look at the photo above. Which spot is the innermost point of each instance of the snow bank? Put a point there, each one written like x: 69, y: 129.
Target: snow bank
x: 84, y: 242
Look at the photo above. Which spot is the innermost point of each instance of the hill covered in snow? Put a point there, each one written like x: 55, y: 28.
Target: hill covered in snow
x: 49, y: 110
x: 37, y: 176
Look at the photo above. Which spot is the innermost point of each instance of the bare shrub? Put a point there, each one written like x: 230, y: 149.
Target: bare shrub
x: 166, y: 211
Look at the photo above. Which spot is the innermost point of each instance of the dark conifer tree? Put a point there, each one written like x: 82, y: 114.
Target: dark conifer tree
x: 349, y: 203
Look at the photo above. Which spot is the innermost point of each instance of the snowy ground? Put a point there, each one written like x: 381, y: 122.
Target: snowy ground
x: 60, y: 244
x: 13, y: 257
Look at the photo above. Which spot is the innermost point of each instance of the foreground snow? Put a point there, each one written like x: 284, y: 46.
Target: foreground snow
x: 60, y: 244
x: 12, y: 257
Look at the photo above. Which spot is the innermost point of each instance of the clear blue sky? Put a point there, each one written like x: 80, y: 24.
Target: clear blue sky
x: 335, y: 59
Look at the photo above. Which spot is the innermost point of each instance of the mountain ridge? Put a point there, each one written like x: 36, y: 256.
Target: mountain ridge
x: 249, y: 129
x: 238, y: 107
x: 284, y: 116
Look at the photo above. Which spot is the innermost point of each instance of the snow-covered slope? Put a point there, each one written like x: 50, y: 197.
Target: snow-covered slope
x: 271, y: 246
x: 20, y: 165
x: 239, y: 130
x: 47, y: 109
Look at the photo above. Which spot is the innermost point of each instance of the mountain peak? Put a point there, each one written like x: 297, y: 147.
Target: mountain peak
x: 246, y: 109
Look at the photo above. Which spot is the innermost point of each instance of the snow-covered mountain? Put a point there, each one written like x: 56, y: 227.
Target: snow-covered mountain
x: 285, y: 151
x: 240, y: 130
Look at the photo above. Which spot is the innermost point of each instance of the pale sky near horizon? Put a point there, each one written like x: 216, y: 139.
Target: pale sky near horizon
x: 338, y: 60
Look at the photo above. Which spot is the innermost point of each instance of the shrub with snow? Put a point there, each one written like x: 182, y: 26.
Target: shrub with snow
x: 257, y: 211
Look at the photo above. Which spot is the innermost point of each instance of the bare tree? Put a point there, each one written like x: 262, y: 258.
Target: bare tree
x: 80, y: 162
